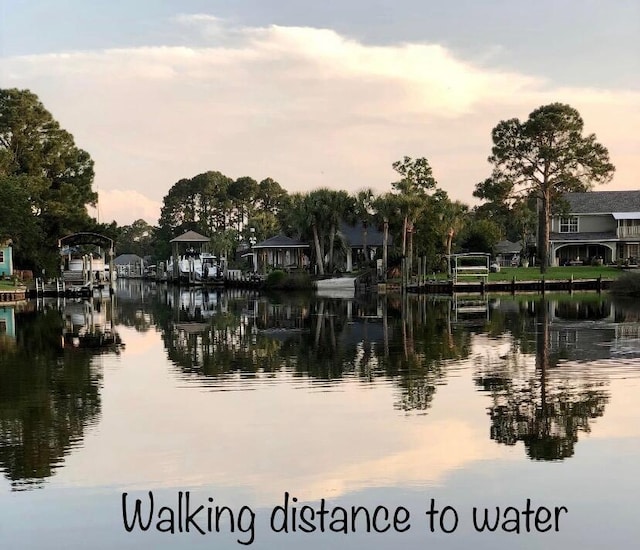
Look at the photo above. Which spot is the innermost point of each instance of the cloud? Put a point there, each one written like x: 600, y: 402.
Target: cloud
x: 306, y: 106
x: 124, y: 205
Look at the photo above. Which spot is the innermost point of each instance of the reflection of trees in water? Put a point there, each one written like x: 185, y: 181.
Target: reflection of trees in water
x: 542, y: 407
x: 408, y: 341
x: 48, y: 395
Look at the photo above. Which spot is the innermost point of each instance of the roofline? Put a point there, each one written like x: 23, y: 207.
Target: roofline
x: 302, y: 245
x: 608, y: 240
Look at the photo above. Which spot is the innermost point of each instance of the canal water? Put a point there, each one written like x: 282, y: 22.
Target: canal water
x: 237, y: 419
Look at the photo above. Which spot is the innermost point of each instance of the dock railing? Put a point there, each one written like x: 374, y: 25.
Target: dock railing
x: 469, y: 265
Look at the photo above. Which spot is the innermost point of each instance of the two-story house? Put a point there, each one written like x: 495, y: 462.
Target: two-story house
x: 597, y: 225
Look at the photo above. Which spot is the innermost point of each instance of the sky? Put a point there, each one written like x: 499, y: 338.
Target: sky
x: 316, y: 94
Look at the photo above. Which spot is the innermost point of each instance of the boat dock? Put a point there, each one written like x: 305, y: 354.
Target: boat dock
x: 481, y: 287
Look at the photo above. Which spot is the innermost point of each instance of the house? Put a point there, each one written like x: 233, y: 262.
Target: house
x: 508, y: 253
x: 6, y: 259
x: 280, y: 252
x: 129, y: 265
x: 600, y: 226
x: 356, y: 238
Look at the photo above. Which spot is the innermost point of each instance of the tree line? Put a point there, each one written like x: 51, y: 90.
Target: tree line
x: 46, y: 186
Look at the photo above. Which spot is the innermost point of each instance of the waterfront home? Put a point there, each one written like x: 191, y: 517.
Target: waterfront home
x: 6, y: 259
x: 596, y: 227
x: 362, y: 243
x: 280, y: 252
x: 129, y: 265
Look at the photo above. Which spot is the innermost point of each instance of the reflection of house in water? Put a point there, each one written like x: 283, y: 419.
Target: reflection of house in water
x: 581, y: 328
x: 7, y: 322
x: 590, y: 330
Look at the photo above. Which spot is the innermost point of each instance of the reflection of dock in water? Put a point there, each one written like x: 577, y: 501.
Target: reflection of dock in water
x: 470, y: 309
x: 89, y: 324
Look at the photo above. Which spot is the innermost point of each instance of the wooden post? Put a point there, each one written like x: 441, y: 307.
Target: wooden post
x: 543, y: 284
x: 599, y: 284
x: 513, y: 285
x: 571, y: 283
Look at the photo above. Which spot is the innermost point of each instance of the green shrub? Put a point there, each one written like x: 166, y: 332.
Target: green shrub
x: 279, y: 280
x: 275, y: 279
x: 627, y: 284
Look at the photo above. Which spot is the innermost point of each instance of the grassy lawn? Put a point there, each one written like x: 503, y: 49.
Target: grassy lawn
x: 533, y: 273
x: 8, y: 285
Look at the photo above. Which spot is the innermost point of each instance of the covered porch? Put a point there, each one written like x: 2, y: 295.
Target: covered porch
x: 583, y: 253
x: 280, y: 252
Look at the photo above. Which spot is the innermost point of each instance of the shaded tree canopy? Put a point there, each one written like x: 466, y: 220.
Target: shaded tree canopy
x: 42, y: 163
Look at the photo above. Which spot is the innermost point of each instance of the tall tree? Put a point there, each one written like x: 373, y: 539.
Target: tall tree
x: 417, y: 180
x: 545, y: 156
x: 271, y: 196
x: 56, y: 175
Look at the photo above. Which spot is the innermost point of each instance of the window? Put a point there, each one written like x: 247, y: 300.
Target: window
x: 1, y: 256
x: 569, y: 225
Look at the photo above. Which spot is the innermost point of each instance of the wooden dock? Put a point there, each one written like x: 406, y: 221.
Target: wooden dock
x: 17, y: 295
x: 513, y: 286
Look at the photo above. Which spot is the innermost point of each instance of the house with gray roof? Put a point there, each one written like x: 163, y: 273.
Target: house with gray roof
x: 280, y: 252
x: 129, y: 265
x: 361, y: 244
x: 594, y: 226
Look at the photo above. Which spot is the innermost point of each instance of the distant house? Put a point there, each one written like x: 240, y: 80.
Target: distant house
x: 6, y: 259
x: 129, y: 265
x: 597, y: 226
x: 507, y: 253
x: 280, y: 252
x: 356, y: 237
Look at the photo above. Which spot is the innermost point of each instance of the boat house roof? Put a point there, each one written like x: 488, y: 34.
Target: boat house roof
x: 190, y: 237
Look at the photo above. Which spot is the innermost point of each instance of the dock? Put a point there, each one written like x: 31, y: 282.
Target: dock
x: 481, y: 287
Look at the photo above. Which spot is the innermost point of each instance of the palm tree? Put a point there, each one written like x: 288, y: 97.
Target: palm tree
x: 363, y: 213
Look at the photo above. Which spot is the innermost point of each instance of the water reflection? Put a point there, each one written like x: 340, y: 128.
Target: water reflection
x: 414, y: 342
x: 49, y: 385
x: 547, y: 385
x: 538, y: 403
x: 209, y: 336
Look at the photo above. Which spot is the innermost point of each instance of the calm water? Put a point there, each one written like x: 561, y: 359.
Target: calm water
x: 391, y: 405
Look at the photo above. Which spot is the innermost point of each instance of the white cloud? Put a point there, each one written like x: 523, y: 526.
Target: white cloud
x: 124, y: 205
x: 305, y: 106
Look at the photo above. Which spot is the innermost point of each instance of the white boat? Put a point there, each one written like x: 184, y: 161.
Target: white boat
x: 339, y: 287
x: 196, y: 267
x: 79, y: 272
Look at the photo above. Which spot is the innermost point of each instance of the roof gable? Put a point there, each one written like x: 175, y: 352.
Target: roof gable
x: 190, y: 237
x: 281, y: 241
